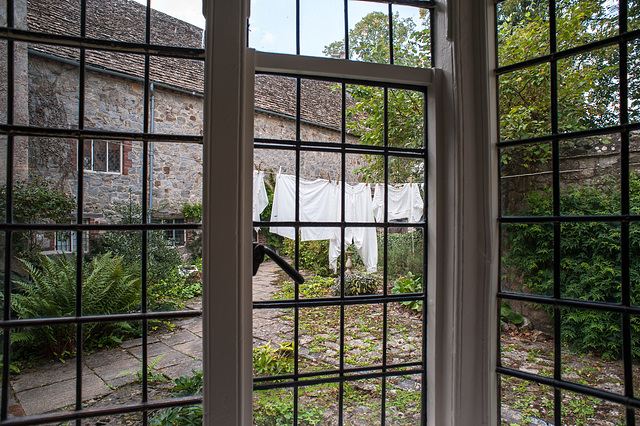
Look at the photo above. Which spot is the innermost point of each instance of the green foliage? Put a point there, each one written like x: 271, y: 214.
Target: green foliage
x: 174, y: 288
x: 357, y: 284
x: 314, y: 255
x: 36, y: 201
x: 183, y: 416
x: 509, y: 315
x: 109, y: 286
x: 270, y: 408
x: 589, y: 268
x: 192, y: 212
x: 271, y: 361
x: 587, y: 83
x: 404, y: 253
x: 161, y: 257
x: 369, y: 41
x: 313, y: 287
x: 151, y: 376
x: 412, y: 283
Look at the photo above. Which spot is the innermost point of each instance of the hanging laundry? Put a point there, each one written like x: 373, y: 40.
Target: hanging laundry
x: 405, y: 202
x: 260, y: 199
x: 358, y: 208
x: 319, y: 202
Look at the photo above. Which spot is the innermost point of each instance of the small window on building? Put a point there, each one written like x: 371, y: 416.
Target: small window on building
x: 66, y: 241
x: 102, y: 156
x: 175, y: 237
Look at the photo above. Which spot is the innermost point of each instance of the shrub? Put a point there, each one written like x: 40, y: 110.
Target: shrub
x: 161, y: 257
x: 275, y: 408
x: 412, y: 283
x: 312, y: 287
x: 270, y: 361
x: 314, y: 256
x: 179, y: 416
x: 35, y: 201
x: 590, y: 264
x: 108, y: 287
x: 173, y: 289
x: 356, y: 284
x: 404, y: 253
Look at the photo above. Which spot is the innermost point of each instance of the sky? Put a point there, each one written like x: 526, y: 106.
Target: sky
x: 272, y: 23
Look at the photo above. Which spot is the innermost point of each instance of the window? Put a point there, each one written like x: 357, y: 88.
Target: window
x: 102, y: 156
x: 65, y: 241
x: 567, y: 142
x: 175, y: 237
x: 80, y: 93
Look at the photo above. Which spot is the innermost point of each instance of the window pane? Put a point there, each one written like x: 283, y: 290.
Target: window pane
x: 633, y: 52
x: 525, y: 103
x: 526, y: 179
x: 321, y: 111
x: 523, y: 30
x: 368, y: 32
x: 590, y: 265
x: 272, y: 26
x: 525, y: 402
x: 114, y: 157
x: 588, y: 90
x: 411, y: 37
x: 582, y: 21
x: 88, y: 155
x: 590, y: 176
x: 322, y: 28
x: 527, y: 258
x: 99, y: 156
x: 275, y: 102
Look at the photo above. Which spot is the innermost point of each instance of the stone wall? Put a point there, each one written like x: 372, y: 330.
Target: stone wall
x: 115, y: 103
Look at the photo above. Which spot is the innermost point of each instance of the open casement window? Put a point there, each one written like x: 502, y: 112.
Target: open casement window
x: 568, y: 141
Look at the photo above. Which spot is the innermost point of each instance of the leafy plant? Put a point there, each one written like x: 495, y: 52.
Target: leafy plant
x: 589, y: 267
x: 109, y: 286
x: 412, y: 283
x: 313, y: 287
x: 509, y: 315
x: 183, y: 416
x: 404, y: 253
x: 270, y: 361
x: 151, y: 376
x: 271, y: 408
x: 37, y: 200
x: 356, y: 284
x: 192, y: 212
x: 314, y: 255
x: 173, y: 289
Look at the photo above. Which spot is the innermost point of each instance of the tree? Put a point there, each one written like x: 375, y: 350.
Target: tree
x: 369, y: 42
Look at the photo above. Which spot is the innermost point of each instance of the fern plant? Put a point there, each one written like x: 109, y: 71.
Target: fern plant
x: 109, y: 286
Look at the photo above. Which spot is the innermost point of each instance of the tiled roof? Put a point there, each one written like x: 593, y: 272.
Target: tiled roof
x: 124, y: 20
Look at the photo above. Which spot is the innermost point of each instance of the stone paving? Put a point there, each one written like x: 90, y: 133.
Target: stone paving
x: 51, y: 386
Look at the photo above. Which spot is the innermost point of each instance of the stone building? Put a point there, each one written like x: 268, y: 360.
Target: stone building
x: 114, y: 101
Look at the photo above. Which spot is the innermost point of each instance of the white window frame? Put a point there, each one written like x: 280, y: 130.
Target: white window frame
x: 462, y: 206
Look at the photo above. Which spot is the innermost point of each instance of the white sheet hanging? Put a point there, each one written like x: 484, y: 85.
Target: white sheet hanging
x: 260, y: 199
x: 405, y: 202
x: 358, y: 208
x: 319, y: 202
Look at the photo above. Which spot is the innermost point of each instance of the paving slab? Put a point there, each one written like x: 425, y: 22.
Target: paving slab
x: 193, y: 348
x: 182, y: 369
x: 49, y: 373
x: 178, y: 337
x: 59, y: 395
